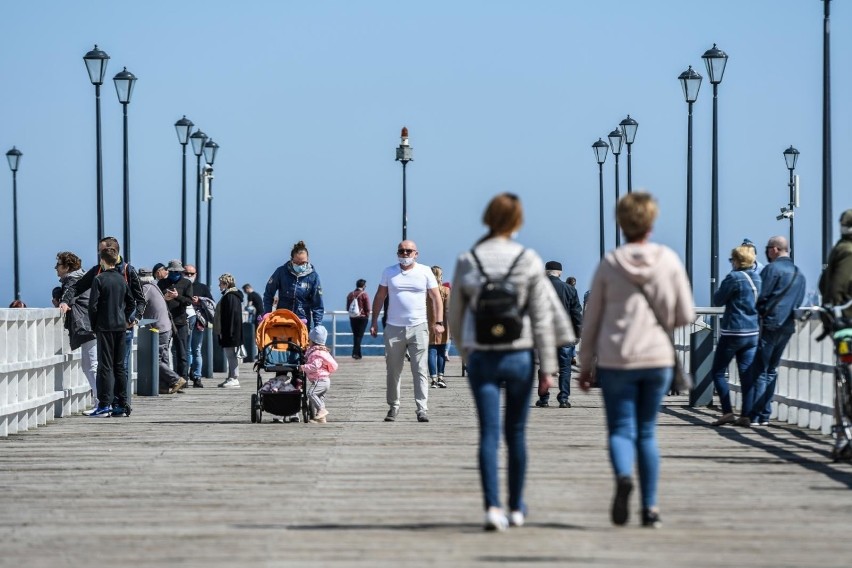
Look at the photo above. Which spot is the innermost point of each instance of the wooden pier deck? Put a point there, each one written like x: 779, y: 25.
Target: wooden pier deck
x: 189, y: 481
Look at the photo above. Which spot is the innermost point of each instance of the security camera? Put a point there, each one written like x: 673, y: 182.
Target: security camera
x: 208, y: 169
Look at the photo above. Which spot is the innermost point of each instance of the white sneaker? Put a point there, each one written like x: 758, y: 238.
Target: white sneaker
x: 230, y: 383
x: 495, y: 520
x: 516, y: 519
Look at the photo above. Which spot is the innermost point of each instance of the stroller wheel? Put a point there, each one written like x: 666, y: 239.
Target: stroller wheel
x: 255, y: 409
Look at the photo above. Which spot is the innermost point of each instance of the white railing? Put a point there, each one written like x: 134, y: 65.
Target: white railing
x: 804, y: 393
x: 41, y: 378
x: 336, y: 335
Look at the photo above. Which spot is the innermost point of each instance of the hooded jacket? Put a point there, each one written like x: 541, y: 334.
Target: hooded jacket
x: 835, y: 283
x: 620, y: 328
x: 84, y: 283
x: 299, y: 293
x: 77, y: 320
x: 228, y: 319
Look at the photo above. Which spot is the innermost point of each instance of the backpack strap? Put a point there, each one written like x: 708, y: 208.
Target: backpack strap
x: 508, y: 273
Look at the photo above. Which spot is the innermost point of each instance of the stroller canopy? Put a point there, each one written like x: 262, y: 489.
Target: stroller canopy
x: 281, y: 325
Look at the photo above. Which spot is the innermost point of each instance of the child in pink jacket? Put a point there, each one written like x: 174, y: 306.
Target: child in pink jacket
x: 318, y: 368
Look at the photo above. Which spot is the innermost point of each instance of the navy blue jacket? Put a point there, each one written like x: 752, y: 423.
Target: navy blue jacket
x: 301, y: 294
x: 740, y: 301
x: 775, y: 309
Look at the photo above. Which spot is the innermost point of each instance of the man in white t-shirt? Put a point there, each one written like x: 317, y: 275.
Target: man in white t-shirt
x: 407, y: 285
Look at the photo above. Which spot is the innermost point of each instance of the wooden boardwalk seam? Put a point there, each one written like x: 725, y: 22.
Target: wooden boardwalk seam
x: 187, y: 480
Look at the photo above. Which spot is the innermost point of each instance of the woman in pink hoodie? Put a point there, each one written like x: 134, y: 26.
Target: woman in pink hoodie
x: 640, y: 293
x: 318, y: 367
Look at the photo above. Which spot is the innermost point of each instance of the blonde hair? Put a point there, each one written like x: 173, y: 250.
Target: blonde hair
x: 438, y: 272
x: 743, y: 257
x: 228, y: 280
x: 636, y: 213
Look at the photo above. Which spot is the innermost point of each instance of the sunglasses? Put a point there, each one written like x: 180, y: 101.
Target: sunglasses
x: 405, y: 251
x: 189, y: 273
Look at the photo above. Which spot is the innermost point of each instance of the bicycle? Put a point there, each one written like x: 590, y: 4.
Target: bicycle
x: 840, y: 329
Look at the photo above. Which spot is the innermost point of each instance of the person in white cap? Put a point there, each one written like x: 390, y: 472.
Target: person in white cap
x: 318, y: 367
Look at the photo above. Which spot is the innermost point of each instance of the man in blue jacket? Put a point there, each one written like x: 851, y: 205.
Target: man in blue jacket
x: 782, y: 292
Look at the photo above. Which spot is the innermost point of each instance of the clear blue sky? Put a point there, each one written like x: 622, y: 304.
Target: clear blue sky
x: 306, y: 100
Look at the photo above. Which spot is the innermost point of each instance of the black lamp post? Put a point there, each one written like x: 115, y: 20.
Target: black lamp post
x: 198, y: 140
x: 826, y: 138
x: 616, y: 140
x: 210, y: 151
x: 183, y: 127
x: 628, y: 129
x: 14, y: 157
x: 691, y: 83
x: 715, y: 60
x: 404, y: 155
x: 96, y: 63
x: 124, y: 83
x: 791, y: 156
x: 600, y: 147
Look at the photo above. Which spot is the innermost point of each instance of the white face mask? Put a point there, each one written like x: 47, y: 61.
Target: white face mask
x: 405, y: 260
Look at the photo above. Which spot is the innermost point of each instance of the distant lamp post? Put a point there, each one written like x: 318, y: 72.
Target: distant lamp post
x: 827, y: 217
x: 124, y: 83
x: 210, y: 150
x: 601, y: 148
x: 404, y: 155
x: 715, y: 60
x: 691, y: 83
x: 198, y: 140
x: 791, y: 156
x: 183, y: 127
x: 14, y: 157
x: 616, y: 140
x: 628, y: 129
x: 96, y: 63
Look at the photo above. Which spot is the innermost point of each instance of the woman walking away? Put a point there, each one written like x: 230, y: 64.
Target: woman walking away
x: 318, y: 367
x: 640, y: 293
x: 228, y: 326
x: 497, y: 345
x: 438, y: 341
x: 739, y: 330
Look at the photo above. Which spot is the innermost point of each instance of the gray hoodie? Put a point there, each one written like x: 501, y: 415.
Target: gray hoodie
x: 620, y: 329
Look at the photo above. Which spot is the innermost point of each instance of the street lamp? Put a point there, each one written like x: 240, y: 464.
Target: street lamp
x: 14, y: 157
x: 691, y: 83
x: 96, y: 63
x: 628, y: 129
x: 616, y: 140
x: 715, y: 60
x: 124, y: 83
x: 404, y: 155
x: 210, y: 151
x: 826, y: 138
x: 791, y: 156
x: 183, y: 127
x: 198, y: 139
x: 600, y: 147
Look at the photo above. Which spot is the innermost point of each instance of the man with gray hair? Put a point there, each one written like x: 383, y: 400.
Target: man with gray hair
x: 156, y: 309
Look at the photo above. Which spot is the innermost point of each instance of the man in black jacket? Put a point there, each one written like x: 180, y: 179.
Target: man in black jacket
x: 571, y: 302
x: 254, y: 300
x: 177, y: 290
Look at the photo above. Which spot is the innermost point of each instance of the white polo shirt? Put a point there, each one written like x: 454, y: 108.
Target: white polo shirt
x: 407, y: 291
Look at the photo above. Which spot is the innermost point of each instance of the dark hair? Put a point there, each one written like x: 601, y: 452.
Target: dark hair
x: 17, y: 304
x: 69, y: 260
x: 246, y: 286
x: 299, y: 247
x: 503, y: 214
x: 56, y: 293
x: 110, y: 256
x: 571, y: 281
x: 360, y: 283
x: 110, y: 242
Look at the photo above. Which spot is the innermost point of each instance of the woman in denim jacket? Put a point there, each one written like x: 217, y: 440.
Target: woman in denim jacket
x: 740, y: 327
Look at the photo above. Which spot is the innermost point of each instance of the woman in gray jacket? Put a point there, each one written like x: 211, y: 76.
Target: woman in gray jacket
x: 509, y: 364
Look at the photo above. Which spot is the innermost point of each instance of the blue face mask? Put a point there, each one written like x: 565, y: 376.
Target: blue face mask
x: 299, y: 268
x: 174, y: 276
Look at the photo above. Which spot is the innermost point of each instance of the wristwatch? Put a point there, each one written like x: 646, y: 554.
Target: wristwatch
x: 439, y: 323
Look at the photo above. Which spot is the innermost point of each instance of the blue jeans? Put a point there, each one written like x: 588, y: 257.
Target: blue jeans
x: 488, y: 371
x: 194, y: 349
x: 563, y: 356
x: 437, y: 359
x: 757, y: 403
x: 632, y: 399
x: 730, y: 346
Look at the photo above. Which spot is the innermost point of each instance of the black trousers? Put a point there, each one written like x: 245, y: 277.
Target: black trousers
x: 167, y: 376
x: 112, y: 374
x: 359, y: 326
x: 180, y: 350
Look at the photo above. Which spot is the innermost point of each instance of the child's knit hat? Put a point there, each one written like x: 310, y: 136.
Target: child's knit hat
x: 318, y: 335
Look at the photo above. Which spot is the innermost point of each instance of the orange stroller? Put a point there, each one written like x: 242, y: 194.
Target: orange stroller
x: 281, y: 342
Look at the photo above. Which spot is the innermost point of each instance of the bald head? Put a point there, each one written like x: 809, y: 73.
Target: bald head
x: 777, y: 246
x: 406, y: 252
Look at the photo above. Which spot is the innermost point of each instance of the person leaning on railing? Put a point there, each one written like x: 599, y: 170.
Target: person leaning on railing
x: 835, y: 283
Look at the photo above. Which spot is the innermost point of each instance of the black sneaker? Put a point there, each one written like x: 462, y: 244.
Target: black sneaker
x: 564, y: 404
x: 118, y: 411
x: 442, y: 384
x: 391, y: 414
x: 196, y: 384
x: 620, y: 503
x: 542, y: 403
x: 422, y: 416
x: 651, y: 519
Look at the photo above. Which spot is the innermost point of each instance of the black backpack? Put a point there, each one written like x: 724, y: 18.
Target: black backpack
x: 498, y: 317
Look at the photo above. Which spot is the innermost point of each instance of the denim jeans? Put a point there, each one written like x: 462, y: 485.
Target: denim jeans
x: 194, y: 355
x: 563, y: 356
x: 437, y: 359
x: 632, y: 399
x: 488, y: 371
x: 757, y: 405
x: 743, y: 347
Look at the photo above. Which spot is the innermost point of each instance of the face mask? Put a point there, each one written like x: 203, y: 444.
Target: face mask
x: 405, y: 260
x: 299, y: 268
x: 174, y: 276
